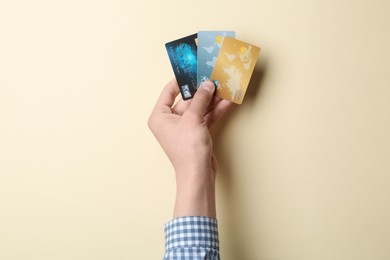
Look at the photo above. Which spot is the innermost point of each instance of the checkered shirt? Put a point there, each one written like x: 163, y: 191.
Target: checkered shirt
x: 191, y: 238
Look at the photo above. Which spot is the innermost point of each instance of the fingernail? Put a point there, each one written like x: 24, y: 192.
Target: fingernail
x: 209, y: 86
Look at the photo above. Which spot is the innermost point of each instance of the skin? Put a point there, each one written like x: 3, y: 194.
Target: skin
x: 182, y: 129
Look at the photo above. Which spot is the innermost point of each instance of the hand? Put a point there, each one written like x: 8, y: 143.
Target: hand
x: 183, y: 132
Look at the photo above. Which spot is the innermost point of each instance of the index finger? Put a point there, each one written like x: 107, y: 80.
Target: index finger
x: 168, y: 96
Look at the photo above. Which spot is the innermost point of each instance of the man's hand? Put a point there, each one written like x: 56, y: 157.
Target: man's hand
x: 183, y: 132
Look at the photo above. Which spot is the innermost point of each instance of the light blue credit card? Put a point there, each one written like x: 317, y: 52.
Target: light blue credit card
x: 209, y: 44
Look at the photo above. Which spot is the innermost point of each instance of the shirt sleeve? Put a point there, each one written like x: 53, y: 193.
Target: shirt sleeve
x: 192, y: 238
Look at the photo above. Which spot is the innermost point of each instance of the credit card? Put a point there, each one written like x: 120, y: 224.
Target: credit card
x: 233, y: 69
x: 183, y: 57
x: 209, y: 44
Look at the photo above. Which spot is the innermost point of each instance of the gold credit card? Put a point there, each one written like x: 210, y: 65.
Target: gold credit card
x: 233, y: 69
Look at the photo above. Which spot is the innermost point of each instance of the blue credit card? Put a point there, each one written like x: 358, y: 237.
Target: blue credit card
x: 183, y: 57
x: 209, y: 44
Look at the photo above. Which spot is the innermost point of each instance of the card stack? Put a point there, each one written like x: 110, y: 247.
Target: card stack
x: 215, y: 56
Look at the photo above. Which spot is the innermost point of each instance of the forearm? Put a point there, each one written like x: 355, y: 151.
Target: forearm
x: 193, y: 233
x: 195, y: 195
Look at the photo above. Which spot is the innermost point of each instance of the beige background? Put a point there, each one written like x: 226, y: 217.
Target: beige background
x: 304, y: 162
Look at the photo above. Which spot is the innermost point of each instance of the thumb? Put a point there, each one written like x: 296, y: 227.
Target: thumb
x: 202, y: 99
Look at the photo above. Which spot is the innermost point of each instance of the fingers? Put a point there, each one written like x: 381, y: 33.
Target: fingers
x: 219, y: 110
x: 203, y: 106
x: 167, y: 97
x: 181, y: 106
x: 163, y: 105
x: 201, y: 101
x: 214, y: 103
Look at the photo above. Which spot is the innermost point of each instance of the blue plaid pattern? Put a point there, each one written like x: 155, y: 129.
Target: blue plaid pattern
x: 191, y: 238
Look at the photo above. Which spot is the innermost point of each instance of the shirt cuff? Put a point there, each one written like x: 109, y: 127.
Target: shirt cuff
x: 191, y: 231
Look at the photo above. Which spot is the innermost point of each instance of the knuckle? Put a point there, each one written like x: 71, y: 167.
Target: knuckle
x: 151, y: 122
